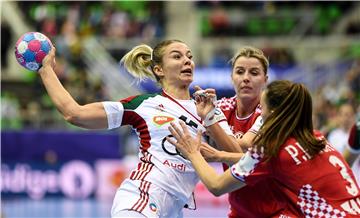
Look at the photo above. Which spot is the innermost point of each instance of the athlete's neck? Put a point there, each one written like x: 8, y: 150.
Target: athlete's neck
x: 178, y: 93
x: 246, y: 107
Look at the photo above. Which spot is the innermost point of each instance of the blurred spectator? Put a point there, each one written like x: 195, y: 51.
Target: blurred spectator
x: 32, y: 118
x: 219, y: 20
x: 353, y: 78
x: 221, y: 55
x: 10, y: 114
x: 338, y: 137
x: 280, y: 58
x: 6, y: 38
x: 324, y: 113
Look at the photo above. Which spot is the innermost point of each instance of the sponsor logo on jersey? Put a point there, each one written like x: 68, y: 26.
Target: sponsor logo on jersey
x: 161, y: 120
x: 153, y: 207
x: 177, y: 166
x: 160, y: 107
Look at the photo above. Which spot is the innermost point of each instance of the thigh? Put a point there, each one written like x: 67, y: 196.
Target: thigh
x: 128, y: 213
x: 147, y: 199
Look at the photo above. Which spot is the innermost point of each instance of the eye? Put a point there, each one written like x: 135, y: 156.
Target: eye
x: 239, y: 71
x: 190, y: 56
x: 177, y: 56
x: 255, y: 72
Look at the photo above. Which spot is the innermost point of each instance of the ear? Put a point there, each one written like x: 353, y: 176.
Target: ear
x: 158, y: 70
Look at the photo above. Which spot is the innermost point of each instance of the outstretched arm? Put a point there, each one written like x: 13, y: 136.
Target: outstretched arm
x: 190, y: 148
x: 90, y: 116
x: 211, y: 154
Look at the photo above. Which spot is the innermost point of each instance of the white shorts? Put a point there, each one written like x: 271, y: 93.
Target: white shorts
x: 147, y: 199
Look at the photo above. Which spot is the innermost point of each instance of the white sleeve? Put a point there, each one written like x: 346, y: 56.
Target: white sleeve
x: 114, y: 112
x: 225, y: 126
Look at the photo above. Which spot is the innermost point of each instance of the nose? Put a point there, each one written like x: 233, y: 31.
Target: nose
x: 246, y: 77
x: 187, y: 61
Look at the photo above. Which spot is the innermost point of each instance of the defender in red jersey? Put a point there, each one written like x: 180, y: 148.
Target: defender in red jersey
x: 249, y: 77
x: 311, y: 178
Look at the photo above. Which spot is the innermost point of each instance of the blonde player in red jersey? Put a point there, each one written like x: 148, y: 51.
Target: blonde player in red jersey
x: 311, y: 178
x: 249, y: 76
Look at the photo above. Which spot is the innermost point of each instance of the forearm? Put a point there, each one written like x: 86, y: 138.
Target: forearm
x: 223, y: 140
x: 207, y: 174
x: 58, y: 94
x: 229, y: 158
x: 89, y: 116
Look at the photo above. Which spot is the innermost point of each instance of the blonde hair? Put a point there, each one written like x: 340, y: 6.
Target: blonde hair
x: 141, y: 60
x: 138, y: 62
x: 251, y: 52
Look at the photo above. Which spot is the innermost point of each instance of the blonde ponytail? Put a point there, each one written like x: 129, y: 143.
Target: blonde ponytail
x: 138, y: 62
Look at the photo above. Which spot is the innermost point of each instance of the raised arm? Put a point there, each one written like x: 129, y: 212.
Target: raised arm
x: 89, y: 116
x: 190, y: 148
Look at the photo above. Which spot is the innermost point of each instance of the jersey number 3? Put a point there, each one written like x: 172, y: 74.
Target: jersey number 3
x: 351, y: 188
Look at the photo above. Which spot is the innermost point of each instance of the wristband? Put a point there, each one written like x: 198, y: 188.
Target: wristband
x: 214, y: 116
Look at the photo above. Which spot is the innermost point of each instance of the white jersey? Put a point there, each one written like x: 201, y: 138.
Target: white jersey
x: 160, y: 163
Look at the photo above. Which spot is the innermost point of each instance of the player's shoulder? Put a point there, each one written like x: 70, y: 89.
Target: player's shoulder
x: 227, y: 103
x: 134, y: 101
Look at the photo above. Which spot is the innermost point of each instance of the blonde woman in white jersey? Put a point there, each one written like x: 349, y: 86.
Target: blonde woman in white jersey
x: 163, y: 182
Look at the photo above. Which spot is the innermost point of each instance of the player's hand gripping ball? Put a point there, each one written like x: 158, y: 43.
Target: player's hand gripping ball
x: 30, y: 50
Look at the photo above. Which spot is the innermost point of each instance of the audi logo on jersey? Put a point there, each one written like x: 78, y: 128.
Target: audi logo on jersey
x: 171, y: 149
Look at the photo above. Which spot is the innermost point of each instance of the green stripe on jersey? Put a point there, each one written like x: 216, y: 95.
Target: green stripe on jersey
x: 135, y: 102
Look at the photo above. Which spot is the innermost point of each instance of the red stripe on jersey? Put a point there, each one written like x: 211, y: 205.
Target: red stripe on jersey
x: 138, y: 123
x: 144, y: 167
x: 176, y: 102
x: 142, y: 171
x: 144, y: 196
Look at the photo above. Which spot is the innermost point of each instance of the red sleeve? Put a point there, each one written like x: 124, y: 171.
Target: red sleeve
x: 251, y: 168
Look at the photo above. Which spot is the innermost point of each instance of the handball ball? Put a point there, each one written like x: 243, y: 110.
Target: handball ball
x: 30, y: 50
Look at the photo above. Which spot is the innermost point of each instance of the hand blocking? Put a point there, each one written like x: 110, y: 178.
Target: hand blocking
x: 215, y: 115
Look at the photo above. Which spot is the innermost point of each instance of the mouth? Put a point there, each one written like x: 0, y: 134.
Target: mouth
x: 245, y: 88
x: 187, y: 71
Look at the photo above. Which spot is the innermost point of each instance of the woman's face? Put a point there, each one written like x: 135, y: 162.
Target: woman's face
x: 177, y: 67
x: 265, y: 112
x: 248, y: 78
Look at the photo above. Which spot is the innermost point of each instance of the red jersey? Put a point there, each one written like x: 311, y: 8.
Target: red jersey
x: 245, y: 202
x: 322, y: 186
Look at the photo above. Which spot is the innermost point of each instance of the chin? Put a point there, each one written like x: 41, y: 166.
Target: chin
x: 247, y: 95
x: 188, y: 80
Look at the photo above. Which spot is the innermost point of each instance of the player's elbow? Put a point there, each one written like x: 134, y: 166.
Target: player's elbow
x: 72, y: 119
x: 215, y: 189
